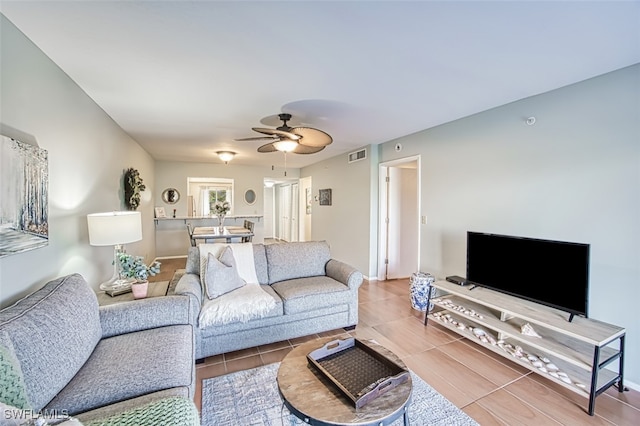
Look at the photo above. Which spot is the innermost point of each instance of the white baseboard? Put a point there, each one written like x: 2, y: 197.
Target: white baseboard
x: 632, y: 385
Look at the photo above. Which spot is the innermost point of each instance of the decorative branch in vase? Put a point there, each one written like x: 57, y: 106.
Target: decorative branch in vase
x: 221, y: 210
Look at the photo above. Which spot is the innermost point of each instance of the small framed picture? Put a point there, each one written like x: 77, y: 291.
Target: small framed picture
x: 325, y: 197
x: 160, y: 212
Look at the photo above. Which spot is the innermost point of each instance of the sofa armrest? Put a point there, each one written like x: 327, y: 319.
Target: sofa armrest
x: 346, y: 274
x: 144, y: 314
x: 189, y: 286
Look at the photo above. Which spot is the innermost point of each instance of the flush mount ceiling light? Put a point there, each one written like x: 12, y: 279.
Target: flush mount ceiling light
x: 226, y: 156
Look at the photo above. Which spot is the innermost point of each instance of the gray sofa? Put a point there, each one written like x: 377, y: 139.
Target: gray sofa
x: 61, y: 353
x: 312, y: 291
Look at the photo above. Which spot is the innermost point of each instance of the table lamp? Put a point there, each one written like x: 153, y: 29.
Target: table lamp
x: 115, y: 229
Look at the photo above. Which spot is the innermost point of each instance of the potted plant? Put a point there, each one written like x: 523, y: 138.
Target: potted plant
x: 134, y: 267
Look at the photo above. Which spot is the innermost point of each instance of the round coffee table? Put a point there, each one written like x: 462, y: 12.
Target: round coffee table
x: 317, y: 401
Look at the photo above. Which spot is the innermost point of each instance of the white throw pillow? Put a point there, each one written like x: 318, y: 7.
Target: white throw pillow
x: 221, y: 275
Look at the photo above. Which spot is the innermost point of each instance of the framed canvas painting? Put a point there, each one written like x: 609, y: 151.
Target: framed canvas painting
x: 24, y: 208
x: 325, y: 197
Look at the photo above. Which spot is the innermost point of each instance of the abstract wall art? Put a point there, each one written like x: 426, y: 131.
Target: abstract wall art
x: 24, y: 186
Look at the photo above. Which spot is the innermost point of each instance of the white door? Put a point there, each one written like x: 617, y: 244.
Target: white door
x: 269, y: 213
x: 284, y: 231
x: 295, y: 208
x: 403, y: 223
x: 304, y: 210
x: 399, y: 249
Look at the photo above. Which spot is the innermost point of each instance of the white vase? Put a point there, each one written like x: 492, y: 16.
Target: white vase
x: 221, y: 222
x: 139, y: 289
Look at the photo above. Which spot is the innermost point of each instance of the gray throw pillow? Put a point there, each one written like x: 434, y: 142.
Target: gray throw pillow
x: 221, y: 275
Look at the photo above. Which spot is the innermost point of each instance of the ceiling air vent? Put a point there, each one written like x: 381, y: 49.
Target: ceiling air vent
x: 358, y: 155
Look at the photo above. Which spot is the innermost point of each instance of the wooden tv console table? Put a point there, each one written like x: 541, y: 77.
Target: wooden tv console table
x: 572, y: 354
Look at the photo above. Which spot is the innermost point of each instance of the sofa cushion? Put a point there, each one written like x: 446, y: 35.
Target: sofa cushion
x: 260, y: 259
x: 221, y: 275
x: 307, y: 294
x: 297, y: 260
x: 161, y: 357
x: 54, y: 331
x: 193, y: 261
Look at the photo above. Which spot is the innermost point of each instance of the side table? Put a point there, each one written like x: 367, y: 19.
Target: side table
x: 156, y: 289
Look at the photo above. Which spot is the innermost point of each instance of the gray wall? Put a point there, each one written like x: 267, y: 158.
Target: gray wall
x: 573, y: 176
x: 348, y: 223
x: 88, y: 154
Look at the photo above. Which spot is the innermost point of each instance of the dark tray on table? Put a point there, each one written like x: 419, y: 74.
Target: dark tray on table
x: 359, y: 371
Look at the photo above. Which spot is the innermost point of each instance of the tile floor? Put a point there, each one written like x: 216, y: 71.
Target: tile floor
x: 491, y: 389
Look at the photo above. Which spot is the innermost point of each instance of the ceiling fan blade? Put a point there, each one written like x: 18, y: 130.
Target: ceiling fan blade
x: 259, y: 138
x: 277, y: 132
x: 312, y: 137
x: 267, y: 148
x: 305, y: 149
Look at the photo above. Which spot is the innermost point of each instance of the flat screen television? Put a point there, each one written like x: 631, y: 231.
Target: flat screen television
x: 553, y: 273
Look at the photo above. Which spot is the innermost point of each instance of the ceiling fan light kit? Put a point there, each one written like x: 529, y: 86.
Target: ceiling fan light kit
x: 298, y: 140
x: 285, y: 145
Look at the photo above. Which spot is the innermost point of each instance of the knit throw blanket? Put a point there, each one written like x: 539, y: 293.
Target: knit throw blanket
x: 240, y: 305
x: 243, y: 304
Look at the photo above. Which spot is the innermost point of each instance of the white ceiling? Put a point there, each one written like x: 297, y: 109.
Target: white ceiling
x: 186, y: 78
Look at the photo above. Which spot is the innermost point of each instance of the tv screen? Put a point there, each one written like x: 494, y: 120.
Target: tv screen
x: 553, y: 273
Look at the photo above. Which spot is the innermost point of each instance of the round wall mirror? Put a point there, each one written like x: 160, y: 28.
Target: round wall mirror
x: 170, y: 196
x: 250, y: 196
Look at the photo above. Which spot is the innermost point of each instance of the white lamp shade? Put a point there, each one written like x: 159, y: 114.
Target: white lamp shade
x: 112, y: 228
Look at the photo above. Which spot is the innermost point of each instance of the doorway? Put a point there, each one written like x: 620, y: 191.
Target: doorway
x: 399, y: 245
x: 285, y: 209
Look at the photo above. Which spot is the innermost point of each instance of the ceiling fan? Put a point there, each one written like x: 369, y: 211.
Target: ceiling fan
x: 299, y: 140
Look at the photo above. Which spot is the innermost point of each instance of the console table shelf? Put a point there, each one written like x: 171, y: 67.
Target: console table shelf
x: 184, y: 219
x: 576, y: 351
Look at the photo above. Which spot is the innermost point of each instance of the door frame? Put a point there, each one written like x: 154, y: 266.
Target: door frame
x: 383, y: 198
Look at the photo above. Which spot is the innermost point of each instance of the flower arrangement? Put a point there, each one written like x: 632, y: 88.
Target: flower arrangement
x: 134, y: 267
x: 221, y: 209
